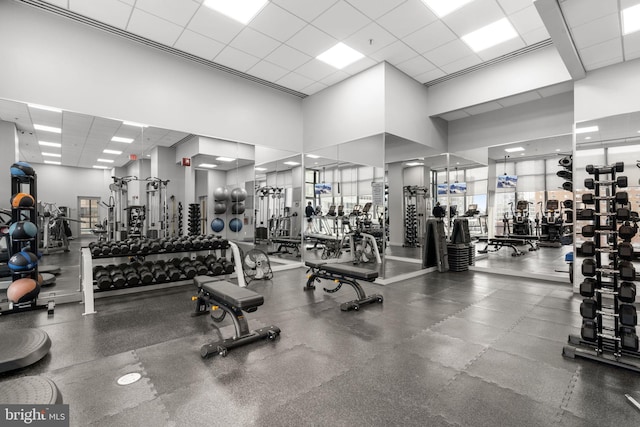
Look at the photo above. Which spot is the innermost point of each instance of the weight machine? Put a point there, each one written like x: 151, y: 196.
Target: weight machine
x: 415, y: 210
x: 53, y: 222
x: 520, y: 221
x: 551, y: 225
x: 271, y: 202
x: 158, y: 217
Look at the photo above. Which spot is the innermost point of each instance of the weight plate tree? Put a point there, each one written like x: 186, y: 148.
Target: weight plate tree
x: 608, y: 333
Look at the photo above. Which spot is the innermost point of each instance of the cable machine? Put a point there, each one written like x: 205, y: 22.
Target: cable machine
x: 415, y: 211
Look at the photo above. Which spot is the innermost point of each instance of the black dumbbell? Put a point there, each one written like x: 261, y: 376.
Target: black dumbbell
x: 567, y: 186
x: 568, y: 204
x: 186, y: 244
x: 168, y: 245
x: 566, y: 161
x: 215, y: 267
x: 628, y: 338
x: 102, y: 277
x: 173, y: 274
x: 159, y: 273
x: 154, y: 246
x: 201, y: 268
x: 617, y: 167
x: 178, y: 245
x: 134, y: 247
x: 625, y: 251
x: 146, y: 277
x: 589, y: 231
x: 144, y: 247
x: 627, y: 315
x: 586, y: 214
x: 588, y: 308
x: 117, y: 278
x: 620, y: 181
x: 588, y: 248
x: 627, y: 270
x: 589, y: 330
x: 589, y: 267
x: 228, y: 266
x: 187, y: 268
x: 196, y: 244
x: 588, y: 287
x: 627, y: 292
x: 130, y: 274
x: 565, y: 174
x: 626, y: 231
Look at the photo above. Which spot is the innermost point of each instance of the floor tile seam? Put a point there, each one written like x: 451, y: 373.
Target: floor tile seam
x: 459, y: 311
x: 564, y: 405
x: 528, y: 358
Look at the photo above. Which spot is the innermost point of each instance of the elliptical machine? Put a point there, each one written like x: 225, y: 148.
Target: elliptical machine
x: 521, y: 224
x: 551, y: 225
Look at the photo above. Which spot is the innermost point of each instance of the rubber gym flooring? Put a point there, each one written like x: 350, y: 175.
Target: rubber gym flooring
x: 468, y: 349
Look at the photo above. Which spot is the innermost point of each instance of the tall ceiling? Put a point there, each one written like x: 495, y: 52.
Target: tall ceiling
x: 279, y: 48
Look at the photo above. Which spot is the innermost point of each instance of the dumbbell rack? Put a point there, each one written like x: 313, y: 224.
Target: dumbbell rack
x: 87, y: 279
x: 194, y: 219
x: 609, y: 317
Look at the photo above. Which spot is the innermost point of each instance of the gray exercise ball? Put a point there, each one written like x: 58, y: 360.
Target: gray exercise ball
x: 219, y: 207
x: 221, y: 194
x: 237, y: 208
x: 238, y: 194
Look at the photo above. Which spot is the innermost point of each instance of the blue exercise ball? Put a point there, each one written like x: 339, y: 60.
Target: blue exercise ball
x: 23, y: 230
x: 217, y: 225
x: 235, y: 225
x: 22, y: 261
x: 22, y: 169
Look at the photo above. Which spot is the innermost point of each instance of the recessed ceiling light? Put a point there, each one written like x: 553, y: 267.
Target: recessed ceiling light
x: 50, y: 144
x: 557, y: 149
x: 207, y: 165
x: 587, y: 137
x: 260, y: 169
x: 490, y: 35
x: 291, y: 163
x: 100, y: 167
x: 47, y: 128
x: 120, y: 139
x: 587, y: 129
x: 242, y: 11
x: 411, y: 164
x: 140, y: 125
x: 514, y: 149
x: 340, y: 55
x: 224, y: 159
x: 105, y: 160
x: 44, y: 107
x: 112, y: 152
x: 52, y: 162
x: 52, y: 154
x: 313, y: 156
x: 631, y: 19
x: 444, y: 7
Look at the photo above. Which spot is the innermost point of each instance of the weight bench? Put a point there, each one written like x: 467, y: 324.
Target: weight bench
x: 500, y: 242
x: 343, y: 273
x: 528, y: 239
x: 217, y: 295
x: 283, y: 244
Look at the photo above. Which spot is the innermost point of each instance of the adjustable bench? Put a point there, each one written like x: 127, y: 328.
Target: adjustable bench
x: 498, y: 243
x: 284, y: 243
x: 343, y: 273
x: 214, y: 295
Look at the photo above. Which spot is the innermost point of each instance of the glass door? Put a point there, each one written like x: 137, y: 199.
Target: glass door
x: 88, y: 213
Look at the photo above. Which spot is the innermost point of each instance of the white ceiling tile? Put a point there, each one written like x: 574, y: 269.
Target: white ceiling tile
x: 198, y: 45
x: 214, y: 25
x: 306, y: 10
x: 597, y: 31
x: 416, y: 66
x: 112, y: 12
x: 267, y: 71
x: 334, y: 78
x: 601, y: 53
x: 236, y: 59
x: 314, y: 88
x: 448, y: 53
x: 461, y: 64
x: 341, y: 20
x: 311, y: 41
x: 375, y: 9
x: 512, y: 6
x: 526, y: 20
x: 254, y: 43
x: 604, y: 63
x: 430, y: 37
x: 502, y: 49
x: 394, y: 53
x: 370, y: 39
x: 483, y: 108
x: 548, y: 91
x: 578, y: 12
x: 519, y: 99
x: 295, y: 81
x: 472, y: 16
x: 535, y: 36
x: 288, y: 57
x: 359, y: 66
x: 631, y: 45
x: 150, y: 26
x: 454, y: 115
x: 176, y: 11
x: 130, y: 2
x: 407, y: 18
x: 430, y: 75
x: 61, y: 3
x: 315, y: 70
x: 277, y: 23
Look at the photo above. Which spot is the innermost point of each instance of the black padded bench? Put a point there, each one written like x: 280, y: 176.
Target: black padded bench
x: 498, y: 243
x: 284, y: 243
x: 343, y: 273
x: 217, y: 295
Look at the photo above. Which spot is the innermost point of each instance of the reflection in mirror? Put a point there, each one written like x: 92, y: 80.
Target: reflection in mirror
x: 529, y: 212
x: 278, y: 196
x: 613, y: 140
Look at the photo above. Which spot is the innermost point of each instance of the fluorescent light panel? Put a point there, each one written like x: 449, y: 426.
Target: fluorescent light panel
x: 224, y: 159
x: 261, y: 169
x: 47, y: 128
x: 444, y: 7
x: 44, y: 107
x: 140, y: 125
x: 100, y: 167
x: 411, y: 164
x: 631, y: 19
x: 291, y: 163
x: 340, y: 55
x: 52, y: 162
x: 50, y: 144
x: 112, y: 152
x: 121, y: 139
x: 242, y: 11
x: 52, y: 154
x: 514, y: 149
x: 207, y: 165
x: 490, y: 35
x: 105, y: 160
x: 587, y: 129
x: 313, y: 156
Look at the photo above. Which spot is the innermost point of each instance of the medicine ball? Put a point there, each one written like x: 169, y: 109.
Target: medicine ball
x: 237, y: 208
x: 23, y: 261
x: 219, y: 207
x: 235, y: 225
x: 22, y: 200
x: 217, y: 225
x: 22, y: 169
x: 221, y: 194
x: 23, y: 230
x: 23, y: 290
x: 238, y: 195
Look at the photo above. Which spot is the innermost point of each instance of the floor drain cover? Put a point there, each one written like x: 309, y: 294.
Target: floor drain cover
x: 129, y: 378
